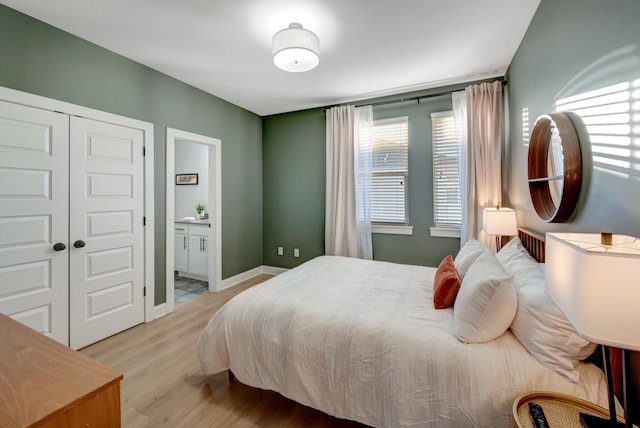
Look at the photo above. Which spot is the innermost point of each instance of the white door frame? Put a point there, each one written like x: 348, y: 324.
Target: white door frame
x: 215, y: 194
x: 44, y: 103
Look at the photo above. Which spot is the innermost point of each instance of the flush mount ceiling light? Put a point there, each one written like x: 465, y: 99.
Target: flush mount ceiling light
x: 295, y: 49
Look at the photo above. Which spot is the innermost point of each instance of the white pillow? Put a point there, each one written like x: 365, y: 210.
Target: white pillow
x: 514, y: 257
x: 486, y: 302
x: 470, y: 251
x: 541, y: 326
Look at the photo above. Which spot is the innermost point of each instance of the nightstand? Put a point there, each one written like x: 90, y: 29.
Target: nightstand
x: 559, y: 409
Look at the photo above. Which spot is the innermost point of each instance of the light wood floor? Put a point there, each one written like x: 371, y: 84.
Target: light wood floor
x: 163, y: 385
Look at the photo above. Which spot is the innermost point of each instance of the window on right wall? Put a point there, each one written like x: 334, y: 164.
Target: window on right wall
x: 447, y: 203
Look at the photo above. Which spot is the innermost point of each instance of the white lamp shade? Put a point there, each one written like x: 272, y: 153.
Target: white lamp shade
x: 296, y: 49
x: 597, y: 287
x: 500, y: 221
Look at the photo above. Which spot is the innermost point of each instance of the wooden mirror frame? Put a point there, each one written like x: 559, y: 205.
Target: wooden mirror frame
x: 538, y: 173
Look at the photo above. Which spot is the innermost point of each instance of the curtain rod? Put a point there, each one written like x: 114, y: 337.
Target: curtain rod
x: 416, y: 98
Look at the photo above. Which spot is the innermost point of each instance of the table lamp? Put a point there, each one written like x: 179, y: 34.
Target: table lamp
x: 593, y: 278
x: 500, y: 222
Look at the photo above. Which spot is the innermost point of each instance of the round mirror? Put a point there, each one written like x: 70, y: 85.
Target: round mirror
x: 555, y: 167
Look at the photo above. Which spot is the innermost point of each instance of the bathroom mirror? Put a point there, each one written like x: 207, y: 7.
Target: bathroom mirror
x: 554, y: 167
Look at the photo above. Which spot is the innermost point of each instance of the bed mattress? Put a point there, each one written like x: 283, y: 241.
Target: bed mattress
x: 360, y: 340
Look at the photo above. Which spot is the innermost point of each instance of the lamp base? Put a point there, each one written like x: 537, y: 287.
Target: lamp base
x: 590, y: 421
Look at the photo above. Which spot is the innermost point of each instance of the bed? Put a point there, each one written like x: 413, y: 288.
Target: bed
x: 361, y: 340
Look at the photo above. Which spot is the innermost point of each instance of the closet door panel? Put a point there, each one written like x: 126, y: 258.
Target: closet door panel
x: 34, y: 150
x: 106, y: 212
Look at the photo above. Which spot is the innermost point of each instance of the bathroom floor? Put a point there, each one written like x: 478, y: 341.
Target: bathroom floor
x: 187, y: 289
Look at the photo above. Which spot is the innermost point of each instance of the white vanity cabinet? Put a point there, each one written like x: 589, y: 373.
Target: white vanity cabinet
x: 181, y: 247
x: 191, y: 250
x: 198, y: 250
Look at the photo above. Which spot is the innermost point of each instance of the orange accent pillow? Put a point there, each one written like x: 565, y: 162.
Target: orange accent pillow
x: 445, y: 284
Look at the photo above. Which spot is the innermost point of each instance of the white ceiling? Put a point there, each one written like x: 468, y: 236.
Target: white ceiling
x: 368, y: 48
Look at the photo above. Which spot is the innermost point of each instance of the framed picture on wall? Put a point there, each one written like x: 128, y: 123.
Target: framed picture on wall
x: 186, y: 179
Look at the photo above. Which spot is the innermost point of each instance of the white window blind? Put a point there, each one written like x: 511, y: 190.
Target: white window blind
x: 447, y: 205
x: 390, y: 171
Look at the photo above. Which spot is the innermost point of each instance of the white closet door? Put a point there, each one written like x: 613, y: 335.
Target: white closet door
x: 106, y: 214
x: 34, y: 150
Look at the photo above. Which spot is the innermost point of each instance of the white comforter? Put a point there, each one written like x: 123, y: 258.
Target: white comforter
x: 361, y: 340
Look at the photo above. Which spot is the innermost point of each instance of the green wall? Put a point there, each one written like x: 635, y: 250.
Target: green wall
x: 294, y: 183
x: 573, y: 47
x: 293, y: 159
x: 40, y: 59
x: 419, y: 248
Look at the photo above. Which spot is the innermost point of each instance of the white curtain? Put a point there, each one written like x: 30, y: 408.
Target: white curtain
x: 483, y: 184
x: 363, y: 131
x: 459, y: 100
x: 348, y: 182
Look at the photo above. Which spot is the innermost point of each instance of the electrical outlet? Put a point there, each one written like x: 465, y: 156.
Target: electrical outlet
x: 280, y: 251
x: 296, y: 252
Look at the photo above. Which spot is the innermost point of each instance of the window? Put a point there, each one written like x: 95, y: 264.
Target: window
x: 447, y: 205
x: 390, y: 171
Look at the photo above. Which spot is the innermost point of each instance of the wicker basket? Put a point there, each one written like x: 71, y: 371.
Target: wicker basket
x: 559, y: 409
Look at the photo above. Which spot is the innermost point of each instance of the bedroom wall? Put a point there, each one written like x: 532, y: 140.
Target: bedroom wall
x: 294, y: 185
x: 293, y: 158
x: 573, y: 47
x: 43, y: 60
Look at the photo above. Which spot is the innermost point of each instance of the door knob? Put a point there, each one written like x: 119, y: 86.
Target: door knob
x: 59, y: 246
x: 78, y: 244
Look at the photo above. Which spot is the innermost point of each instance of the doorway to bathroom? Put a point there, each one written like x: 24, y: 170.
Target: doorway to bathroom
x: 193, y: 216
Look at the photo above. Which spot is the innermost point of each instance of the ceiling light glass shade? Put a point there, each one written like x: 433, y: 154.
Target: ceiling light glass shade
x: 594, y: 281
x: 296, y: 49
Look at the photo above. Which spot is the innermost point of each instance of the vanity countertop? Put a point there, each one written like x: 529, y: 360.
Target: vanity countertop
x: 204, y: 222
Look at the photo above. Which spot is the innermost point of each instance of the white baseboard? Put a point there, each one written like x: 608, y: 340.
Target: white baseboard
x: 237, y: 279
x: 272, y: 270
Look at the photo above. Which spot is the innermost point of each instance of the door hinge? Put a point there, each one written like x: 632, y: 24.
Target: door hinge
x: 144, y: 291
x: 144, y: 221
x: 144, y: 151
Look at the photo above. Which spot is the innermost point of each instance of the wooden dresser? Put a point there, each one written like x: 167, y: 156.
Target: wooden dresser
x: 45, y: 384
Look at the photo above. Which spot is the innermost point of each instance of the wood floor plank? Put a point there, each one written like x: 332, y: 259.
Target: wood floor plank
x: 164, y: 387
x: 131, y: 417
